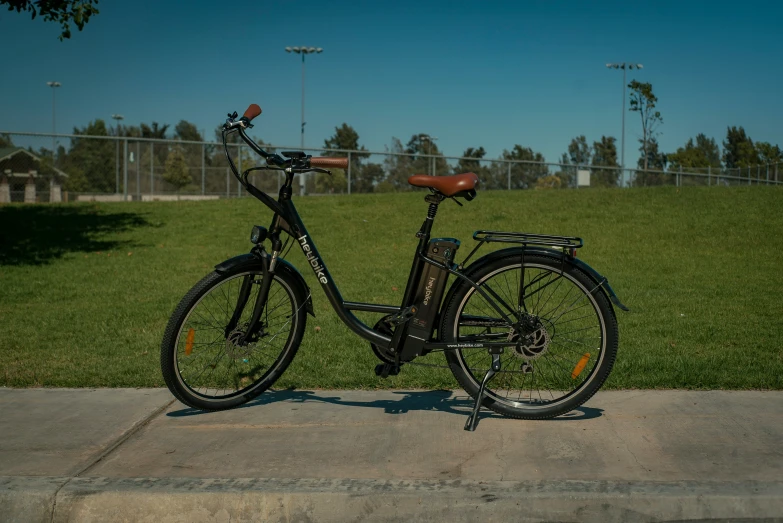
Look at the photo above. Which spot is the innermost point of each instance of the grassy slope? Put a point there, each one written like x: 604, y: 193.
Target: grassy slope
x: 699, y: 268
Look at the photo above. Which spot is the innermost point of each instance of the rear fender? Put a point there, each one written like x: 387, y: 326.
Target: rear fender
x: 252, y: 261
x: 600, y: 281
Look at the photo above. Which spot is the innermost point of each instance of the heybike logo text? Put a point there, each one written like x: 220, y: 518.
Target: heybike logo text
x: 428, y: 290
x: 315, y: 263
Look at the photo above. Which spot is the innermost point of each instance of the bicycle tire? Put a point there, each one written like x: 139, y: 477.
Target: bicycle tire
x: 172, y: 365
x: 531, y: 407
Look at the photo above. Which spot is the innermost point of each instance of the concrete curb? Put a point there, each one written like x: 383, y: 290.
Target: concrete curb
x: 341, y: 500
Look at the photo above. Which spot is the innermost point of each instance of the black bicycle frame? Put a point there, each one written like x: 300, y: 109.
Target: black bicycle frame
x: 287, y: 219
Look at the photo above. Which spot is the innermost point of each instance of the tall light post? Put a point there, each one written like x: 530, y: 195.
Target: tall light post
x: 117, y: 118
x: 303, y: 51
x: 624, y: 66
x: 54, y: 86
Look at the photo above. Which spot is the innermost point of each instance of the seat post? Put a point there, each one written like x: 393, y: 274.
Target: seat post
x: 434, y: 200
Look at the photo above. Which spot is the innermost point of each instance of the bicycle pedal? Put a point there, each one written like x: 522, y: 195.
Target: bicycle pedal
x: 384, y: 370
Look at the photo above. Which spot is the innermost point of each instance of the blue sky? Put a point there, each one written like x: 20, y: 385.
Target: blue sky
x: 489, y: 74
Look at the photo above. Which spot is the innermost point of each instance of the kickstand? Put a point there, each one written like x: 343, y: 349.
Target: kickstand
x: 473, y: 418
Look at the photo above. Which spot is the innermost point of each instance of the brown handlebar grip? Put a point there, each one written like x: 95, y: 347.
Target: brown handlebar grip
x: 328, y: 162
x: 252, y: 111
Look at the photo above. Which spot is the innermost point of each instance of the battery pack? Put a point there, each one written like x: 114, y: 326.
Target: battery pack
x: 428, y: 296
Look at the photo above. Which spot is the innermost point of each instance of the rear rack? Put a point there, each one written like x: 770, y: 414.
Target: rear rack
x: 569, y: 242
x: 565, y: 244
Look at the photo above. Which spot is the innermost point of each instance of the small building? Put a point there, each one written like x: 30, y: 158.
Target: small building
x: 26, y: 177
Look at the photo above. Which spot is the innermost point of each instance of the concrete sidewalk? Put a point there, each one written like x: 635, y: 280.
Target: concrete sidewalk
x: 136, y: 455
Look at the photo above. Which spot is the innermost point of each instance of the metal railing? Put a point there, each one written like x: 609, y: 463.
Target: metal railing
x: 130, y: 168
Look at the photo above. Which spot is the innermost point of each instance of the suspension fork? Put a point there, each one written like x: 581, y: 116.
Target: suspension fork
x: 268, y: 264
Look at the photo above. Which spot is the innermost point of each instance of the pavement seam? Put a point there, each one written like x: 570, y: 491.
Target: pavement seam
x: 125, y: 437
x: 109, y: 449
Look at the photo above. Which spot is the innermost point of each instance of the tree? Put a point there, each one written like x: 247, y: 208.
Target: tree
x: 346, y: 138
x: 643, y: 101
x: 186, y: 132
x: 768, y: 153
x: 605, y: 155
x: 579, y: 153
x: 154, y: 131
x: 90, y: 163
x: 469, y: 163
x: 398, y: 168
x: 5, y: 140
x: 422, y: 147
x: 552, y: 181
x: 177, y: 172
x: 656, y: 164
x: 337, y: 182
x: 699, y: 155
x: 523, y: 175
x: 738, y: 149
x: 62, y: 11
x: 370, y: 175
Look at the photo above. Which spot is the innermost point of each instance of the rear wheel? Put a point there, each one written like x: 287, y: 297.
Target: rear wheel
x: 564, y: 328
x: 206, y: 363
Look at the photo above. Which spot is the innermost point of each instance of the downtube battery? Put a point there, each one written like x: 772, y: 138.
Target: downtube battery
x: 429, y: 296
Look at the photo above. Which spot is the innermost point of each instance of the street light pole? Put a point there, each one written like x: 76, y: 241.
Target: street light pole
x: 117, y: 118
x: 53, y: 85
x: 303, y: 51
x: 624, y: 66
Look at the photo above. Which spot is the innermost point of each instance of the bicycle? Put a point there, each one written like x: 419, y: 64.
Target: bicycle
x: 533, y: 314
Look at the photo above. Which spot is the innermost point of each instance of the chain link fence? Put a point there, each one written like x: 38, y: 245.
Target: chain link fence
x: 104, y: 168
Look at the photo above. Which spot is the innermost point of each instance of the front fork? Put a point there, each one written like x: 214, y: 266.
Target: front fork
x: 254, y: 325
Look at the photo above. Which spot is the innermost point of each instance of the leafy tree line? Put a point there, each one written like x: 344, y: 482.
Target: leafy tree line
x: 92, y: 164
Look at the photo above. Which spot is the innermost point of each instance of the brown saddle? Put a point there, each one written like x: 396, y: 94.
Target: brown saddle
x: 453, y: 185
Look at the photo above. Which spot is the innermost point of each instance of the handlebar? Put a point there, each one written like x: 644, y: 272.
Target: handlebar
x: 329, y: 162
x: 252, y: 111
x: 296, y: 162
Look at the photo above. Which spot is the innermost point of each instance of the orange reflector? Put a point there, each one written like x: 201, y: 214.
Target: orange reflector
x: 189, y: 342
x: 580, y: 366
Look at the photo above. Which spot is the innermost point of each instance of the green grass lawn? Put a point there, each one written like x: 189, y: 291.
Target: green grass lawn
x: 86, y: 289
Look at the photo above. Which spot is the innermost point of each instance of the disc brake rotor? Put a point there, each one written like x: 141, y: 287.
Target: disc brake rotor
x: 532, y: 345
x: 236, y: 351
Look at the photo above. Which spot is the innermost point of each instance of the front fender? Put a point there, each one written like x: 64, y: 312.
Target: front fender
x: 253, y: 261
x: 600, y: 281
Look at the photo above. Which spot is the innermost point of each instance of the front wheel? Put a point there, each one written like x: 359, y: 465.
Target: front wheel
x: 207, y: 361
x: 564, y: 329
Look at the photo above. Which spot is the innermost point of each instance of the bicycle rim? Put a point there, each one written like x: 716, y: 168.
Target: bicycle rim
x: 215, y: 368
x: 562, y: 359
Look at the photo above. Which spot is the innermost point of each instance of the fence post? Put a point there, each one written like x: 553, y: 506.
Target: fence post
x: 152, y: 169
x: 509, y: 176
x: 228, y: 190
x: 138, y: 171
x: 679, y: 176
x: 758, y: 174
x: 203, y: 168
x: 349, y: 172
x: 767, y: 174
x: 125, y: 169
x: 117, y: 165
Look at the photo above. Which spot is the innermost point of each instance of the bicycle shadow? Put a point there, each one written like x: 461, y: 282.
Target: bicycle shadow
x: 430, y: 400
